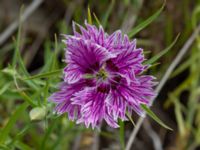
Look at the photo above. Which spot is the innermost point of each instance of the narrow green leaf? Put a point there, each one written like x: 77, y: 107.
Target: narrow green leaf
x: 96, y: 18
x: 11, y: 95
x: 48, y: 57
x: 179, y: 116
x: 48, y: 133
x: 54, y: 62
x: 46, y: 89
x: 184, y: 65
x: 47, y: 51
x: 11, y: 71
x: 146, y: 22
x: 107, y: 13
x: 23, y: 94
x: 195, y: 18
x: 154, y: 65
x: 153, y: 116
x: 89, y: 15
x: 44, y: 75
x: 163, y: 52
x: 27, y: 98
x: 5, y: 131
x: 17, y: 57
x: 4, y: 88
x: 130, y: 118
x: 121, y: 133
x: 17, y: 43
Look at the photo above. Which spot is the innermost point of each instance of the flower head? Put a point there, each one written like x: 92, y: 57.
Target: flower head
x: 102, y: 79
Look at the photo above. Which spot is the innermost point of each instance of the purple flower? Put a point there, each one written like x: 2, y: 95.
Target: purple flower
x: 103, y: 78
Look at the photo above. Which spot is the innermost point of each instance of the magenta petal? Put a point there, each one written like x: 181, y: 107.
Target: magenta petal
x: 128, y: 60
x: 62, y: 98
x: 110, y: 120
x: 83, y: 57
x: 102, y: 79
x: 93, y: 108
x: 116, y: 105
x: 131, y: 95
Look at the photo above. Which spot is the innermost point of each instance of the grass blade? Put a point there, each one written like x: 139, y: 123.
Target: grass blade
x: 27, y: 99
x: 17, y: 42
x: 121, y: 133
x: 163, y: 52
x: 107, y: 14
x: 179, y: 116
x: 44, y: 75
x: 96, y: 18
x: 153, y: 116
x: 17, y: 57
x: 130, y: 118
x: 47, y: 134
x: 54, y: 62
x: 89, y: 15
x: 4, y: 88
x: 146, y: 22
x: 184, y: 65
x: 5, y: 131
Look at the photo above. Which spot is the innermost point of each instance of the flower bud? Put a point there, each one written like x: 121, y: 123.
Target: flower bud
x: 37, y: 113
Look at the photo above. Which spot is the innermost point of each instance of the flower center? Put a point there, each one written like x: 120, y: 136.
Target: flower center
x: 102, y: 74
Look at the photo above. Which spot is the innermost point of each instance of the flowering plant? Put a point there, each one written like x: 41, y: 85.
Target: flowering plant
x: 103, y: 77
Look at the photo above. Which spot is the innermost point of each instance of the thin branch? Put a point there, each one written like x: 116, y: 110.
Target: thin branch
x: 12, y: 27
x: 170, y: 69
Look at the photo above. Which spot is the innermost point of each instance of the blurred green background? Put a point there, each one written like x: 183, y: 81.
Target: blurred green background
x: 33, y: 47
